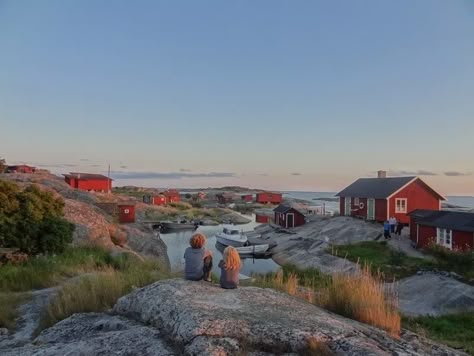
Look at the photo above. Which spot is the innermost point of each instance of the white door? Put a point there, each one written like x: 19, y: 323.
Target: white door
x: 347, y: 208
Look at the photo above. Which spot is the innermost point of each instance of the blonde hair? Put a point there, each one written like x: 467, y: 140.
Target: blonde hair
x: 231, y: 258
x: 198, y: 240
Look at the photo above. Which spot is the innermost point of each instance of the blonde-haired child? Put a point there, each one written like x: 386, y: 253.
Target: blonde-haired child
x: 230, y: 268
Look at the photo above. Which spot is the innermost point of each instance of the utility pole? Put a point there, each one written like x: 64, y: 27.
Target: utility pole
x: 108, y: 181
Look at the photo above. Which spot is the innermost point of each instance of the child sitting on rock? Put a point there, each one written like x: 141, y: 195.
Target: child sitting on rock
x: 197, y: 259
x: 230, y: 268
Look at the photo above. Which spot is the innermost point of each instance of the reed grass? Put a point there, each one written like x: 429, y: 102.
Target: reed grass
x: 9, y: 303
x: 360, y: 296
x: 100, y: 292
x: 47, y: 271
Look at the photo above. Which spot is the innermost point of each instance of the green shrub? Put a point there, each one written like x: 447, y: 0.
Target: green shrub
x: 32, y: 220
x: 459, y: 261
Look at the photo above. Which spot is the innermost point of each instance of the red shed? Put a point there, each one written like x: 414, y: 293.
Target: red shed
x: 450, y: 229
x: 288, y: 217
x: 269, y: 198
x: 380, y: 198
x: 247, y: 197
x: 159, y: 199
x: 89, y: 182
x: 172, y: 196
x: 126, y: 213
x: 21, y: 168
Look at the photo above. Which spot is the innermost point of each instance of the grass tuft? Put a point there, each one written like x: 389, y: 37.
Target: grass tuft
x: 101, y: 291
x: 47, y: 271
x: 456, y: 330
x: 362, y: 296
x: 359, y: 296
x: 9, y: 303
x: 316, y: 347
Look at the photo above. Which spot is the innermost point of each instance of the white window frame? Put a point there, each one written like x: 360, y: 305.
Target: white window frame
x: 405, y: 205
x: 356, y: 201
x: 444, y: 237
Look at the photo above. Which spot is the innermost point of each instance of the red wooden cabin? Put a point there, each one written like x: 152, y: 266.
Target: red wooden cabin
x: 288, y: 217
x: 268, y: 198
x: 159, y: 199
x: 21, y: 168
x: 450, y: 229
x: 89, y: 182
x: 380, y: 198
x: 172, y: 196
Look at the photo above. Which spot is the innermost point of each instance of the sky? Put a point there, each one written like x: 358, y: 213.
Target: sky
x: 284, y: 95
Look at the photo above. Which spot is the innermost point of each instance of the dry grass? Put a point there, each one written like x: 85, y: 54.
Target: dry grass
x: 362, y: 296
x: 9, y: 303
x: 316, y: 347
x: 101, y: 291
x: 359, y: 296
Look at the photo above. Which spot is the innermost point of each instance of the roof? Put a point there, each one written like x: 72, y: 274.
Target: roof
x: 20, y: 165
x: 285, y: 208
x: 453, y: 220
x: 377, y: 188
x: 86, y: 176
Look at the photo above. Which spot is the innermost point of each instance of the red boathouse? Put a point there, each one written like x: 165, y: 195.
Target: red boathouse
x: 380, y: 198
x: 288, y: 217
x: 453, y: 230
x: 89, y: 182
x: 268, y: 198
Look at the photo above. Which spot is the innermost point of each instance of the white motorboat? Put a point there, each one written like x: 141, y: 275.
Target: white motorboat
x: 231, y: 236
x: 253, y: 249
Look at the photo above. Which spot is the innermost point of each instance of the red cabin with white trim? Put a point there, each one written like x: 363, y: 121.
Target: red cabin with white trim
x: 380, y: 198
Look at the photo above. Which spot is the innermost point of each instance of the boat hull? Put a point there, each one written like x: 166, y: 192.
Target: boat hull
x: 227, y: 242
x: 177, y: 226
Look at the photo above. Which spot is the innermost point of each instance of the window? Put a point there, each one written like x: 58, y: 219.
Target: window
x: 356, y: 201
x: 444, y: 238
x: 401, y: 205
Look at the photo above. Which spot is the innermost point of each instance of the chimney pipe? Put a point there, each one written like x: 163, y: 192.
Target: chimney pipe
x: 381, y: 174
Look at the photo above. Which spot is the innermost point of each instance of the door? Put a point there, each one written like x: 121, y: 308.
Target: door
x: 347, y: 208
x: 290, y: 220
x: 370, y: 209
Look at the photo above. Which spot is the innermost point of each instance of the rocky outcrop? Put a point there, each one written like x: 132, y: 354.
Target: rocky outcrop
x: 434, y: 294
x: 176, y: 317
x: 96, y: 334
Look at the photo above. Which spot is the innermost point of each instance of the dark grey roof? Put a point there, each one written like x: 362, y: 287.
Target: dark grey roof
x: 453, y: 220
x: 377, y: 188
x: 285, y: 208
x: 282, y: 209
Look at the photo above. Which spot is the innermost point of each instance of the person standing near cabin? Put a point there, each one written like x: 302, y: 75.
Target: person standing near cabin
x: 393, y: 222
x: 399, y: 228
x: 197, y: 259
x: 230, y: 268
x: 386, y: 230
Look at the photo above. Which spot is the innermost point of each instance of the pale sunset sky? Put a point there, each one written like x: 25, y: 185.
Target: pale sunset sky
x: 284, y: 95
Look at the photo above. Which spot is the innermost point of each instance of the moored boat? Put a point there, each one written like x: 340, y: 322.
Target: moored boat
x: 178, y: 225
x: 230, y: 236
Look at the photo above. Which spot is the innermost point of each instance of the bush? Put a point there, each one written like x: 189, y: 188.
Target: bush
x: 457, y: 260
x: 32, y: 220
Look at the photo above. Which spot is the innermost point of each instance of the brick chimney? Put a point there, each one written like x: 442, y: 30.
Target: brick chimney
x: 381, y: 174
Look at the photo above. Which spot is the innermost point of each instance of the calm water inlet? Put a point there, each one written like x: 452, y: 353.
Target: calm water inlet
x: 178, y: 242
